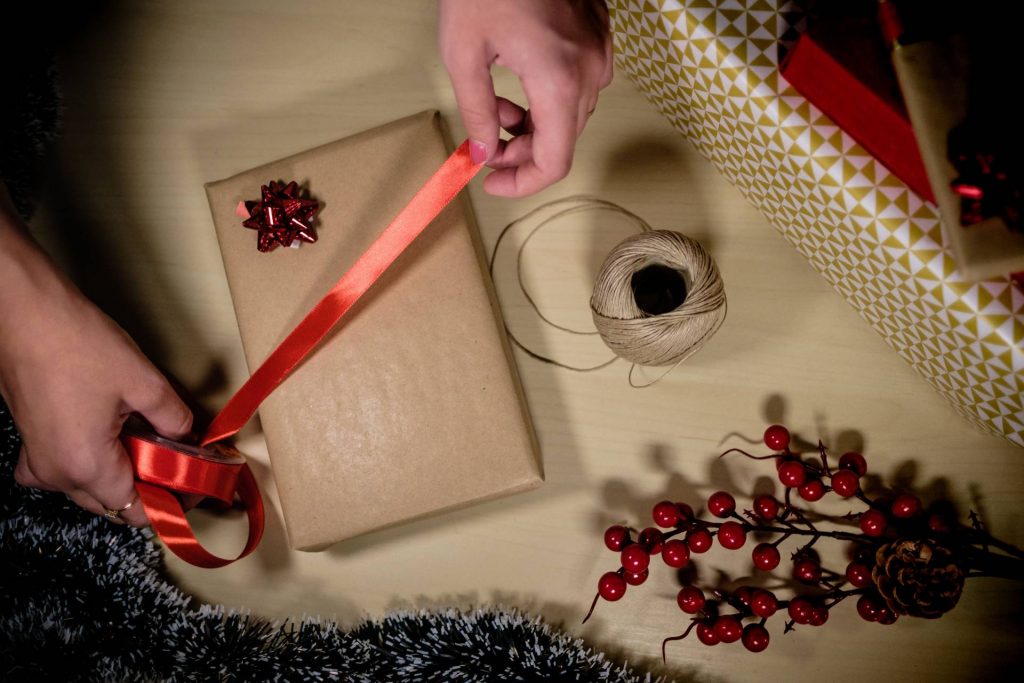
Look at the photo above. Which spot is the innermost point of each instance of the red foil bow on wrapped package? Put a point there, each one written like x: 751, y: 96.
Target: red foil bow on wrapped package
x: 280, y: 217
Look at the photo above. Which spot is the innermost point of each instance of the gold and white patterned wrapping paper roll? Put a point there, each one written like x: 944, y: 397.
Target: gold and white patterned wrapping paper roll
x: 711, y: 67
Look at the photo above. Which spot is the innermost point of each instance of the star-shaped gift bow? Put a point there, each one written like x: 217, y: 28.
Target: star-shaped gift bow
x: 280, y: 217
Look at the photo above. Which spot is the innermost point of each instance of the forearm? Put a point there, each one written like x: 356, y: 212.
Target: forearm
x: 28, y: 280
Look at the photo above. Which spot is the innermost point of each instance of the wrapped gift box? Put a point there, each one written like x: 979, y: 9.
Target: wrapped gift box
x: 843, y: 66
x: 412, y: 405
x: 711, y: 67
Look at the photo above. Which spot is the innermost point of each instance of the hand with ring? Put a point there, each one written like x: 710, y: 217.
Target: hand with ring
x: 71, y: 377
x: 115, y: 515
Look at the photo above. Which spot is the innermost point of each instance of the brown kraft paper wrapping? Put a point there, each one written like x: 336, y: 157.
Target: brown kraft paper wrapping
x: 412, y: 404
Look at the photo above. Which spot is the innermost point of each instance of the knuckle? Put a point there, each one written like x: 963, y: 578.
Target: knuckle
x: 186, y: 422
x: 558, y: 168
x: 456, y: 59
x: 475, y: 116
x: 79, y: 472
x: 23, y: 477
x: 157, y: 390
x: 45, y: 473
x: 566, y: 81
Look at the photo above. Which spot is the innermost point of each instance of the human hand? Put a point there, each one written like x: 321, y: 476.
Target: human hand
x: 560, y: 50
x: 71, y: 377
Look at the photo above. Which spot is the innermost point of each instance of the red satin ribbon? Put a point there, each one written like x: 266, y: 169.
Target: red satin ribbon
x: 161, y: 469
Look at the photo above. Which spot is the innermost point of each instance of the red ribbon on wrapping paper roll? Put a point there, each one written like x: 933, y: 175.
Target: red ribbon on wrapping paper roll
x: 163, y: 467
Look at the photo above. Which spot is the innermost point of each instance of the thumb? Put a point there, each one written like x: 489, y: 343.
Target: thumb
x: 470, y: 74
x: 163, y: 409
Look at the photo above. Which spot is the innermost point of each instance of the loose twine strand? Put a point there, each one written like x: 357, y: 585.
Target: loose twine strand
x: 631, y: 333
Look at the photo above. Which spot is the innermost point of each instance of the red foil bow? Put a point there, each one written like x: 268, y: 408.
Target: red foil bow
x: 990, y: 176
x: 280, y: 217
x: 163, y: 467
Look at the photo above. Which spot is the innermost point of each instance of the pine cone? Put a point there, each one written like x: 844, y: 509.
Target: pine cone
x: 919, y: 578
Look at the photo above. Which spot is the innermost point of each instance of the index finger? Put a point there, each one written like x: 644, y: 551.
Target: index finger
x: 554, y: 110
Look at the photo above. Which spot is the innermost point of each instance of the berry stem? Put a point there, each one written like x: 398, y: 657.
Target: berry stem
x: 679, y: 637
x: 985, y: 539
x: 839, y: 595
x: 987, y: 563
x: 824, y: 458
x: 752, y: 457
x: 860, y: 495
x: 590, y: 612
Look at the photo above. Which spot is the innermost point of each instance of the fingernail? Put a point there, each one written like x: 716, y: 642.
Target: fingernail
x: 477, y: 152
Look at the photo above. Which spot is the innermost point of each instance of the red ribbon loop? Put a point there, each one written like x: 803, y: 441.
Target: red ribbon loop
x: 162, y: 466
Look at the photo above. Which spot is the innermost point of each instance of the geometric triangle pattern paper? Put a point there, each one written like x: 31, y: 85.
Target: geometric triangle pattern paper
x: 711, y: 67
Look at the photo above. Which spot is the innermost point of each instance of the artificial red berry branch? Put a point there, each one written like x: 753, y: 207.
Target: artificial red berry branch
x: 905, y: 560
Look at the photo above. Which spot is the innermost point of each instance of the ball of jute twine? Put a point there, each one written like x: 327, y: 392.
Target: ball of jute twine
x: 644, y: 338
x: 666, y: 338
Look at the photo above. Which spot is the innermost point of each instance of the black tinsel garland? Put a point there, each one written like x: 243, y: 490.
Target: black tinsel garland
x: 81, y: 599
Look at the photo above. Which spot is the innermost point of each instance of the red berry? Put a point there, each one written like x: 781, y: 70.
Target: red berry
x: 706, y: 634
x: 635, y: 559
x: 845, y: 483
x: 698, y: 540
x: 766, y: 557
x: 676, y: 554
x: 652, y: 540
x: 905, y: 506
x: 942, y: 517
x: 728, y: 629
x: 766, y: 507
x: 732, y: 535
x: 665, y: 514
x: 755, y: 637
x: 690, y: 599
x: 886, y: 616
x: 939, y: 524
x: 721, y: 504
x: 818, y: 617
x: 638, y: 578
x: 792, y: 473
x: 811, y: 490
x: 764, y: 604
x: 611, y: 586
x: 872, y: 522
x: 854, y: 462
x: 800, y: 610
x: 615, y: 537
x: 869, y: 607
x: 858, y: 574
x: 776, y: 438
x: 744, y: 594
x: 808, y: 571
x: 685, y: 512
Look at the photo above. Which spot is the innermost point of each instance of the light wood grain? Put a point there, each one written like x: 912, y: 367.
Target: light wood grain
x: 163, y: 97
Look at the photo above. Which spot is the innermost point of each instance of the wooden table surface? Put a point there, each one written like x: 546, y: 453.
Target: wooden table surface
x: 162, y: 97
